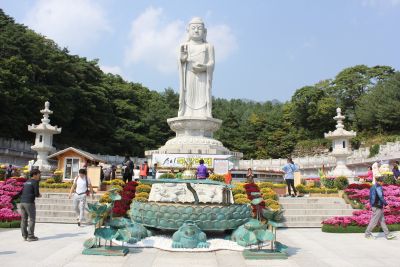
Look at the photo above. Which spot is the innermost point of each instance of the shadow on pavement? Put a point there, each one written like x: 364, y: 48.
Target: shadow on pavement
x: 7, y: 252
x: 59, y: 236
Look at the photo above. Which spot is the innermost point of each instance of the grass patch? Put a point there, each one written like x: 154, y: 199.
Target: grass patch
x: 355, y: 229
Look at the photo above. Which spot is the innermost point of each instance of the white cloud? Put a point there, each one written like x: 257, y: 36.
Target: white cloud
x: 154, y: 40
x: 374, y: 3
x: 111, y: 69
x: 72, y: 23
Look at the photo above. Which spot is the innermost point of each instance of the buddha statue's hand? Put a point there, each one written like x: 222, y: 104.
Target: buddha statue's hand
x: 184, y: 57
x: 199, y: 68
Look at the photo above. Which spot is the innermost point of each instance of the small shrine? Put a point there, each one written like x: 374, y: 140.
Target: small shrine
x: 341, y: 147
x: 44, y: 139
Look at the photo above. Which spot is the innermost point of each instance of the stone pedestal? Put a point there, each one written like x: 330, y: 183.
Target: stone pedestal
x: 194, y: 135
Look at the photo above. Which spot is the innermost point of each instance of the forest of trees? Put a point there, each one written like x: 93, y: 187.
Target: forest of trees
x: 102, y: 113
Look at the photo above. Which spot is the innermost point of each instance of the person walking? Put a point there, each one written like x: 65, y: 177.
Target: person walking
x: 128, y: 172
x: 290, y: 168
x: 377, y: 202
x: 9, y: 171
x: 28, y: 208
x: 395, y: 170
x: 81, y: 188
x: 154, y: 171
x: 136, y: 173
x: 202, y: 172
x: 144, y: 170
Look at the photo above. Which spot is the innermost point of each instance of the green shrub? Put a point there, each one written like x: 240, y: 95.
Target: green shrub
x: 105, y: 198
x: 239, y: 196
x: 142, y: 195
x: 242, y: 201
x: 57, y: 178
x: 272, y: 204
x: 328, y: 182
x: 238, y: 190
x: 143, y: 188
x: 50, y: 181
x: 301, y: 188
x: 167, y: 176
x: 217, y: 177
x: 118, y: 187
x: 341, y: 182
x: 327, y: 228
x: 268, y: 193
x: 279, y: 186
x: 265, y: 185
x: 389, y: 179
x: 141, y: 199
x: 117, y: 182
x: 374, y: 150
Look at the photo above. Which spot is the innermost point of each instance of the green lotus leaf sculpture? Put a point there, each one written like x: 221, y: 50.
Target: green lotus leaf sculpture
x: 256, y: 201
x: 272, y: 215
x: 106, y: 233
x: 123, y: 235
x: 119, y: 222
x: 252, y: 233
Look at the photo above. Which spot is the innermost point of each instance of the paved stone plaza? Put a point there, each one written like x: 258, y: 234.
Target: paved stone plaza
x: 61, y: 245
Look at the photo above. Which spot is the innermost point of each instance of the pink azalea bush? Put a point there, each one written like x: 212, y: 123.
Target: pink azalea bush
x: 10, y: 190
x: 362, y: 217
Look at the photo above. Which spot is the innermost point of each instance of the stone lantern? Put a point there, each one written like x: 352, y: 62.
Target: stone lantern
x: 44, y: 139
x: 341, y: 148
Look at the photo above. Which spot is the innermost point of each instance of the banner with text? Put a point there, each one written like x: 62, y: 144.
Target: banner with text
x: 183, y: 160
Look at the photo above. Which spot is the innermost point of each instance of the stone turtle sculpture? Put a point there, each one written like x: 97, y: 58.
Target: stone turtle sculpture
x: 189, y: 235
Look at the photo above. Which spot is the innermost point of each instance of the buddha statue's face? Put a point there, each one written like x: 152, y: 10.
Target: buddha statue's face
x: 196, y: 31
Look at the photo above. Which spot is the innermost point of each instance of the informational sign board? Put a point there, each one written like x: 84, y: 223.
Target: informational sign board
x: 93, y: 173
x: 182, y: 160
x: 221, y: 166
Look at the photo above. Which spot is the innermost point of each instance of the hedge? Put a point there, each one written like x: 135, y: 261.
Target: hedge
x: 12, y: 224
x: 355, y: 229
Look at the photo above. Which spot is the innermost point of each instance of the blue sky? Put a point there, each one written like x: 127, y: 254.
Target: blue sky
x: 264, y: 49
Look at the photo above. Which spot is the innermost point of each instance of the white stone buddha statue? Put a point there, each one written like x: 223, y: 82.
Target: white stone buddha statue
x: 196, y: 66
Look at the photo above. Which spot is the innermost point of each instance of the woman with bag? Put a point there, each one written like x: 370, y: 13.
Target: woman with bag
x: 80, y: 188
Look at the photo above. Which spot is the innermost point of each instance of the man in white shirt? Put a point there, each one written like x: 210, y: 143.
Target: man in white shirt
x: 80, y: 188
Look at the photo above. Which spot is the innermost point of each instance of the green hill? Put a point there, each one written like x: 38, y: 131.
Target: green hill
x: 102, y: 113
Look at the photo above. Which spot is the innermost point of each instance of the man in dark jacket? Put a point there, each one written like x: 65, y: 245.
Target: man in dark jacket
x: 377, y: 201
x: 28, y: 208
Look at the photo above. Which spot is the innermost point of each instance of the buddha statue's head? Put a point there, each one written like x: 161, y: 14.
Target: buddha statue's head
x: 196, y: 30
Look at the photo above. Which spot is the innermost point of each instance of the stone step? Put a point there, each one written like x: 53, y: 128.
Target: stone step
x: 57, y: 213
x: 322, y: 212
x: 314, y: 206
x: 59, y: 220
x: 52, y: 195
x: 59, y: 201
x: 311, y: 200
x: 308, y: 218
x: 40, y: 206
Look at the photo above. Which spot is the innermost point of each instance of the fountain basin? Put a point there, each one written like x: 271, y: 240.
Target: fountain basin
x: 208, y: 217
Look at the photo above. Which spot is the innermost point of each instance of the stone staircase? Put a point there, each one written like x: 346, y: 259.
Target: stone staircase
x: 311, y: 211
x: 57, y: 208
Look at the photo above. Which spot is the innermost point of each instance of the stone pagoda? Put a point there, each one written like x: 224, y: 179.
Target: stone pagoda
x: 44, y: 139
x: 341, y: 147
